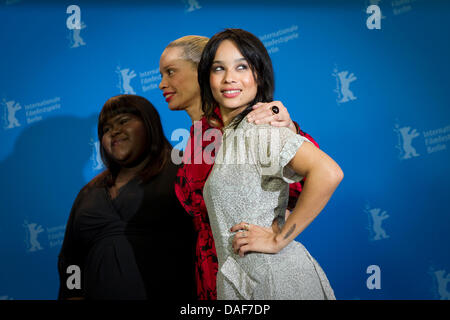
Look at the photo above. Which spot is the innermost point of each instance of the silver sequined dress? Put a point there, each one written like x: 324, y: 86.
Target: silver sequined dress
x: 250, y: 182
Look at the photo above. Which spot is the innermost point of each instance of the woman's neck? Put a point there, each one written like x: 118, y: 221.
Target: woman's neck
x: 194, y: 110
x: 127, y: 173
x: 228, y: 114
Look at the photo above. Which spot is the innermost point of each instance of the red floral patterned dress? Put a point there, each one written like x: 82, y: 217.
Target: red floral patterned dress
x: 191, y: 177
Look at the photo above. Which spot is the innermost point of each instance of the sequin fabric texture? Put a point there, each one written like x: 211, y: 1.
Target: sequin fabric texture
x: 189, y: 185
x: 250, y: 182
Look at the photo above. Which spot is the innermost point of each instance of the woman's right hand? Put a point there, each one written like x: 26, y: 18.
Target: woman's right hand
x: 262, y: 113
x: 254, y: 238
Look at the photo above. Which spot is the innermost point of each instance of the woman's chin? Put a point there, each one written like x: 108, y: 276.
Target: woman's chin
x: 235, y: 108
x: 176, y: 107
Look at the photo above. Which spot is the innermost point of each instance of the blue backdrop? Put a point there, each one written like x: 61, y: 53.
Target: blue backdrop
x: 376, y: 100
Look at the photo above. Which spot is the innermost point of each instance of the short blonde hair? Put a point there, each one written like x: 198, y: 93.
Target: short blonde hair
x: 192, y: 47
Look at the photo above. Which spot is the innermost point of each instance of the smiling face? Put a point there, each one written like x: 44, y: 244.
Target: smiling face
x: 125, y: 139
x: 233, y: 85
x: 178, y: 79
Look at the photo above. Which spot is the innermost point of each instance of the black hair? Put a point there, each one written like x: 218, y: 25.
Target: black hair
x: 258, y: 59
x: 158, y: 147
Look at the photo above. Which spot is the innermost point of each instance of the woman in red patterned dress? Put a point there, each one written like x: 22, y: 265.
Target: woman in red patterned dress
x: 178, y: 68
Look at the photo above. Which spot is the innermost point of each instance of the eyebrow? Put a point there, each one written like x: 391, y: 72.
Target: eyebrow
x: 169, y: 66
x: 237, y: 60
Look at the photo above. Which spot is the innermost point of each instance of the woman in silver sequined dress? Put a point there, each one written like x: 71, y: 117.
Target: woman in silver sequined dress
x: 248, y: 185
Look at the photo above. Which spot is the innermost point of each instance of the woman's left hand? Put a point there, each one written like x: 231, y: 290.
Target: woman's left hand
x: 253, y: 238
x: 262, y: 113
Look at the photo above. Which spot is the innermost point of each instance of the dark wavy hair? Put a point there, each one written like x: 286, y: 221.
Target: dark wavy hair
x: 258, y: 59
x: 158, y: 147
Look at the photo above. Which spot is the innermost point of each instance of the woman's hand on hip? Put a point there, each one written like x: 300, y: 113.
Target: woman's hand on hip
x: 253, y: 238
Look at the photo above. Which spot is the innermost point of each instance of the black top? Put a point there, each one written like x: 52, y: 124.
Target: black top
x: 139, y: 245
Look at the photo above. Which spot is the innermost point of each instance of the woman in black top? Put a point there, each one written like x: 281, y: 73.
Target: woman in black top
x: 127, y: 232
